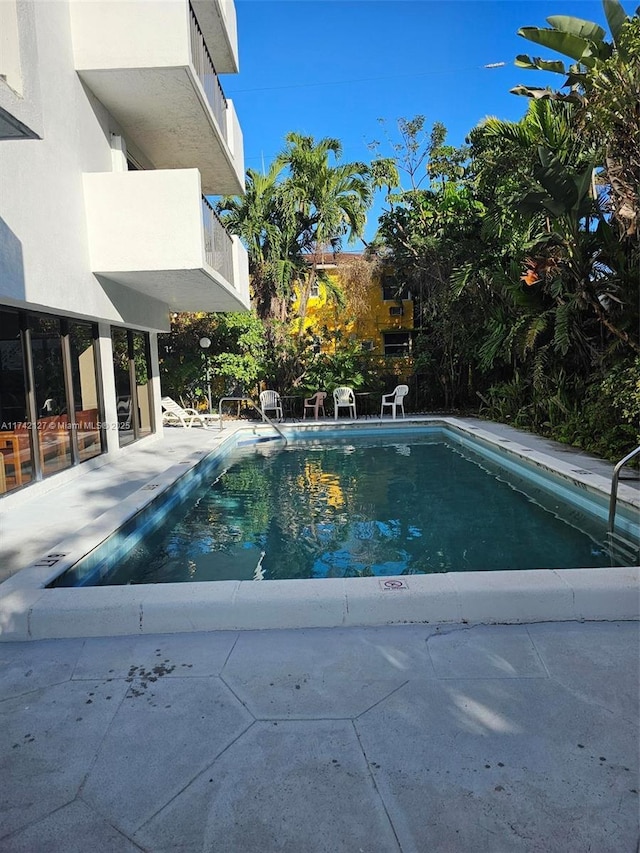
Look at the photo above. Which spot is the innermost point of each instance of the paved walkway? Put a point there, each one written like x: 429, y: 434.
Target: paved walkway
x: 496, y: 739
x: 67, y: 507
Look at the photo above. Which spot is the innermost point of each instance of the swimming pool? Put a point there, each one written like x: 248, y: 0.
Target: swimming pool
x: 379, y: 503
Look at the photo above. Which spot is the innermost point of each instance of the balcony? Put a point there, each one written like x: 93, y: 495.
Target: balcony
x: 154, y: 71
x: 218, y: 21
x: 155, y: 233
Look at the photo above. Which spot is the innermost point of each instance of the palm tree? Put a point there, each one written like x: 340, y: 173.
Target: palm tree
x: 266, y: 223
x: 331, y: 200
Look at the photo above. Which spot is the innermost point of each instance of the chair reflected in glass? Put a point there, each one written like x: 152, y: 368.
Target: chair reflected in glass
x: 394, y: 400
x: 270, y: 402
x: 344, y: 398
x: 315, y: 404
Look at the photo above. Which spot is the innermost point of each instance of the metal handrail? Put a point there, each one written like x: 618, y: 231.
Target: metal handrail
x: 218, y: 243
x: 259, y: 411
x: 614, y: 486
x: 207, y: 73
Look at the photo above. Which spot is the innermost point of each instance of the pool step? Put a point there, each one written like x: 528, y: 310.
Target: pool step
x: 623, y: 550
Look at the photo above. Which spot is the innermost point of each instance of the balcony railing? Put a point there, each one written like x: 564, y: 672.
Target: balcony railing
x: 218, y: 245
x: 207, y: 73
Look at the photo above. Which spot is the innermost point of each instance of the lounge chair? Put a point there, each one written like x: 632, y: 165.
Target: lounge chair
x: 315, y: 403
x: 395, y: 400
x: 270, y: 402
x: 175, y: 415
x: 344, y: 398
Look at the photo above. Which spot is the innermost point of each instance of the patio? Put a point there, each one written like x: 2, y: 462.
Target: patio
x: 408, y: 738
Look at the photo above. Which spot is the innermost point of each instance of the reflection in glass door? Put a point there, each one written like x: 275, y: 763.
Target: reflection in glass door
x: 50, y: 396
x: 52, y: 405
x: 85, y: 389
x: 122, y: 359
x: 143, y: 382
x: 16, y: 465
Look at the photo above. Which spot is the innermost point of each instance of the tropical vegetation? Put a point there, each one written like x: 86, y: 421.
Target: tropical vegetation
x: 521, y: 248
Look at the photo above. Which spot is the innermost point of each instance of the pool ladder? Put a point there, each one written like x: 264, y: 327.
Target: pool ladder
x: 259, y: 411
x: 620, y: 544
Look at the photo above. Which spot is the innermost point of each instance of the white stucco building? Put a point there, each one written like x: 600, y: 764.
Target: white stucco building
x: 113, y: 129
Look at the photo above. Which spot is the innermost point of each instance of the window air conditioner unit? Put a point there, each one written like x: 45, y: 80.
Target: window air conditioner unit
x: 396, y: 311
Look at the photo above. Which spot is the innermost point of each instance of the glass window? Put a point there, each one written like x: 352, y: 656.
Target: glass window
x: 16, y: 465
x: 53, y: 430
x: 49, y: 396
x: 132, y: 366
x: 392, y: 289
x: 143, y: 382
x: 85, y: 389
x: 124, y: 390
x: 397, y: 343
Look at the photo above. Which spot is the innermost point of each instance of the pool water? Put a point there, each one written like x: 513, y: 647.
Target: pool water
x: 361, y: 507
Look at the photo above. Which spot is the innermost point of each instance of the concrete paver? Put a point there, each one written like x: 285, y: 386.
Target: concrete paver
x: 48, y: 741
x: 407, y: 738
x: 80, y: 827
x: 26, y: 667
x: 486, y: 653
x: 286, y: 786
x: 163, y: 734
x: 314, y: 678
x: 178, y: 655
x: 502, y: 765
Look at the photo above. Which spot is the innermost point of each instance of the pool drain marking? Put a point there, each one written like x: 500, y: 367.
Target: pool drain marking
x: 392, y: 584
x: 50, y: 560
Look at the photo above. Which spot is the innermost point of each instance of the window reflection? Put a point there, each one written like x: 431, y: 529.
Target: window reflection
x: 53, y: 430
x: 132, y: 369
x: 51, y: 413
x: 16, y: 468
x: 85, y: 390
x: 124, y: 395
x: 143, y: 382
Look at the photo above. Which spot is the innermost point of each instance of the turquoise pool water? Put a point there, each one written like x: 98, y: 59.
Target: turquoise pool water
x: 357, y: 507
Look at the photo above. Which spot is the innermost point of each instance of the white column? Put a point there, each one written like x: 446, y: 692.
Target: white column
x: 155, y: 381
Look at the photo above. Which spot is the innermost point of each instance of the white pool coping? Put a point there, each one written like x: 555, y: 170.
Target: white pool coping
x: 30, y: 611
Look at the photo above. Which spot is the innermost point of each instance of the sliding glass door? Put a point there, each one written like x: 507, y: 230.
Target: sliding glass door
x: 132, y: 372
x: 50, y: 405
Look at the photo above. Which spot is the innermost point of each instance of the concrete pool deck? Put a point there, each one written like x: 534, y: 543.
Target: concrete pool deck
x: 72, y: 518
x: 402, y: 739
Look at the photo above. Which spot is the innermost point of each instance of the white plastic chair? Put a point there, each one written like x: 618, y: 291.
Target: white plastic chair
x: 344, y: 398
x: 175, y: 415
x: 315, y: 403
x: 395, y: 400
x: 270, y: 402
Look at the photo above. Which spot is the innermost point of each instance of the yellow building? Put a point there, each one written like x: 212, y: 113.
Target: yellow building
x: 376, y: 311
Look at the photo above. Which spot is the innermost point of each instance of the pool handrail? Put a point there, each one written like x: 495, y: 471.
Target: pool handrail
x: 258, y: 410
x: 614, y: 486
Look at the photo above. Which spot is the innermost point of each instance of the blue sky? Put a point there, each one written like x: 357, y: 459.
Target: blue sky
x: 334, y: 67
